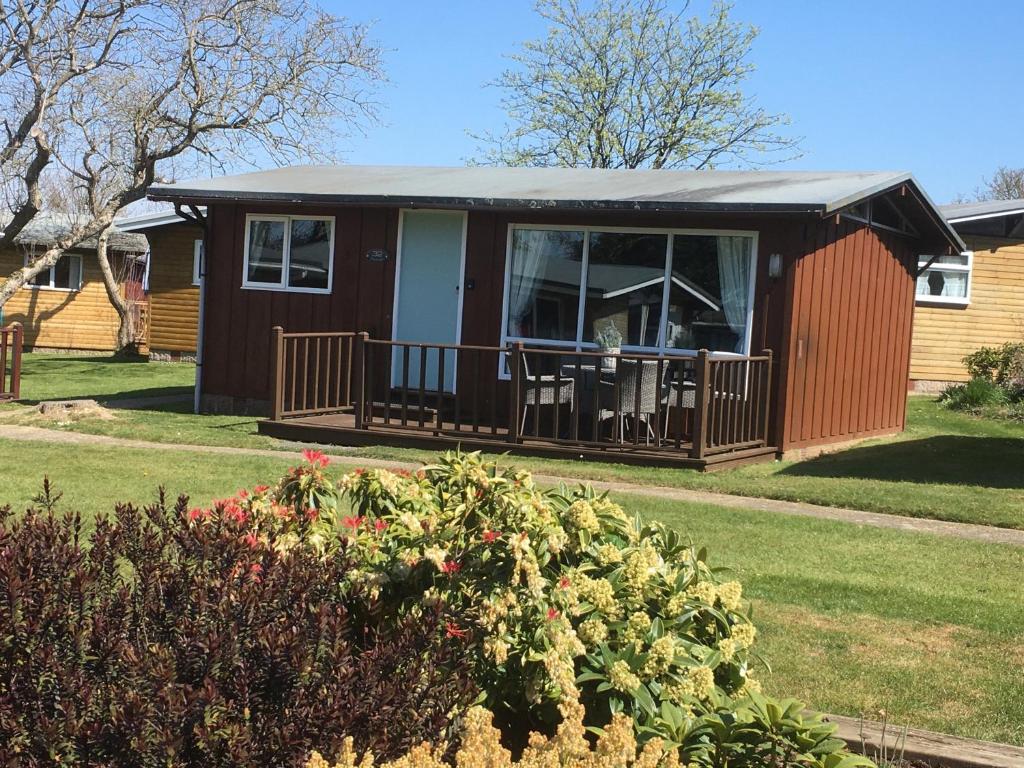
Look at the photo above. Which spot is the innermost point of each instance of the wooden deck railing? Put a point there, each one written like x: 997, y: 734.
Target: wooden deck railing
x: 312, y: 372
x: 699, y: 405
x: 11, y: 340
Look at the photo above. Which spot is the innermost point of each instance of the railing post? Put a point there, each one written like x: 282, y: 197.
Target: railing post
x: 700, y: 406
x: 277, y: 383
x: 515, y: 361
x: 767, y: 392
x: 359, y: 377
x: 19, y: 334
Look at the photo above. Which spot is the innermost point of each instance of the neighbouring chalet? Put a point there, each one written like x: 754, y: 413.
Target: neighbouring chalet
x: 688, y: 318
x: 172, y: 281
x: 972, y: 299
x: 66, y: 307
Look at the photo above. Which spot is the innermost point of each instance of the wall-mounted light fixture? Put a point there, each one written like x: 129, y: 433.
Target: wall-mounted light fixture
x: 775, y: 266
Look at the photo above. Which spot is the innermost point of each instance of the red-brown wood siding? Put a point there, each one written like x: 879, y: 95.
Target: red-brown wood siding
x: 837, y: 320
x: 847, y: 352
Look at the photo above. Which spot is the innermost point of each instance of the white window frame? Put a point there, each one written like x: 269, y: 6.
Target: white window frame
x: 660, y: 349
x: 958, y: 301
x: 282, y: 285
x: 197, y: 261
x: 52, y: 272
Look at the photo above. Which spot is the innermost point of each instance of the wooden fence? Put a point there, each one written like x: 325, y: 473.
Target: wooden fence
x: 11, y: 340
x: 698, y: 405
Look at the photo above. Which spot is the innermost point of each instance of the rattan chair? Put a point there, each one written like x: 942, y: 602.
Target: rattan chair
x: 541, y: 390
x: 619, y: 398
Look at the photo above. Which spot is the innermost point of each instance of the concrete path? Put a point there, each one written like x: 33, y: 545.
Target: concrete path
x: 966, y: 531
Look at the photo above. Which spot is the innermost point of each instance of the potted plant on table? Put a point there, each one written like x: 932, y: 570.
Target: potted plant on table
x: 609, y: 341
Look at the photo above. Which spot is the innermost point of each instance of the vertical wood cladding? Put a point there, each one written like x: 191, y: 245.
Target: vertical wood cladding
x: 848, y: 349
x: 838, y: 320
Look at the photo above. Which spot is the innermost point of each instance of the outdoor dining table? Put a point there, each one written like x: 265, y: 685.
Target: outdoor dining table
x: 586, y: 377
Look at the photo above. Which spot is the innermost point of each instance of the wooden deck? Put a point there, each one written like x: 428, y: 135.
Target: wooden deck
x: 698, y: 411
x: 340, y: 429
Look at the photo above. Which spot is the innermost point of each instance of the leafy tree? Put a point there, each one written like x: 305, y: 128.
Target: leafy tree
x: 632, y: 84
x: 115, y: 94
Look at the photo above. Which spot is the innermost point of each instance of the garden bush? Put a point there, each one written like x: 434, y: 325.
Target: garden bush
x: 1002, y: 365
x: 757, y: 734
x: 170, y: 636
x: 563, y: 601
x: 976, y: 395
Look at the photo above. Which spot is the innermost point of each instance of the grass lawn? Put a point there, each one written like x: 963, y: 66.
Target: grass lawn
x: 852, y: 619
x: 946, y: 466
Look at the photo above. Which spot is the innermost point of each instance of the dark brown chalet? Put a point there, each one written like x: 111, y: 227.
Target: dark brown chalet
x: 690, y: 318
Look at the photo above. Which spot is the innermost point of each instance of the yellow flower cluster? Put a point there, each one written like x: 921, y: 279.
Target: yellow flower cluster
x: 599, y: 593
x: 622, y: 678
x: 699, y: 682
x: 481, y: 747
x: 638, y: 624
x: 608, y: 554
x: 660, y: 657
x: 581, y: 514
x: 704, y: 591
x: 743, y: 634
x: 593, y: 632
x: 730, y: 594
x: 640, y: 566
x: 436, y: 555
x: 496, y: 649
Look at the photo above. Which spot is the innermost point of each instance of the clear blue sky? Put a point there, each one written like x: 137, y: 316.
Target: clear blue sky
x: 931, y: 86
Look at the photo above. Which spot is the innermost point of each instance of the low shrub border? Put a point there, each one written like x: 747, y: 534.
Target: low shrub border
x: 293, y: 617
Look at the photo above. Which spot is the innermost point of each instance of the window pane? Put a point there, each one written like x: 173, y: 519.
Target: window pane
x: 709, y: 294
x: 74, y: 272
x: 309, y: 254
x: 266, y: 251
x: 62, y: 273
x: 951, y: 258
x: 625, y: 284
x: 544, y: 284
x: 938, y: 282
x: 43, y: 278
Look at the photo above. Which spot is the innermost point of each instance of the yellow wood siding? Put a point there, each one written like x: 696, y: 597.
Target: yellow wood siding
x: 173, y: 299
x: 82, y: 319
x: 944, y: 334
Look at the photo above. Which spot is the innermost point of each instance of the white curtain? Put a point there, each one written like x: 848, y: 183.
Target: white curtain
x: 734, y: 277
x: 527, y: 256
x: 954, y: 284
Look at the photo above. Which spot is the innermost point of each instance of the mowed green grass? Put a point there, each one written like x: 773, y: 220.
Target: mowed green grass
x: 852, y: 619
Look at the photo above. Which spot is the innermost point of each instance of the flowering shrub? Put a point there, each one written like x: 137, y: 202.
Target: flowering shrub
x: 204, y: 637
x: 757, y: 734
x: 556, y: 594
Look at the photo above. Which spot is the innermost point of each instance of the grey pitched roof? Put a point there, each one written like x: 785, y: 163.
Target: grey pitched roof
x: 983, y: 210
x: 46, y: 228
x: 481, y: 186
x: 555, y: 188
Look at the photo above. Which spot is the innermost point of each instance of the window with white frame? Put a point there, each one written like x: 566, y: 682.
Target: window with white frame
x: 663, y: 291
x: 65, y: 275
x: 947, y: 280
x: 289, y: 253
x: 197, y: 262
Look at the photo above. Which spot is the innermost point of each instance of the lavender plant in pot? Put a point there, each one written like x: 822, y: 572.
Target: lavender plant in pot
x: 609, y: 341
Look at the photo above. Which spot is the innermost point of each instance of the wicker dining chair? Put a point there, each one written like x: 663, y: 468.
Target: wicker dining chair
x: 631, y: 375
x: 541, y: 390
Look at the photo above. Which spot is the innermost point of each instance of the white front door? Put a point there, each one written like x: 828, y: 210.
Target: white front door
x: 428, y: 293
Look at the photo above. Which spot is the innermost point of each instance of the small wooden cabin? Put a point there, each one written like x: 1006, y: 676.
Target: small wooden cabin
x: 972, y: 299
x: 755, y: 312
x: 66, y: 307
x: 175, y: 273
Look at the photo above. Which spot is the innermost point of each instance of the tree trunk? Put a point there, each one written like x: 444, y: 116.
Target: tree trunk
x: 125, y: 334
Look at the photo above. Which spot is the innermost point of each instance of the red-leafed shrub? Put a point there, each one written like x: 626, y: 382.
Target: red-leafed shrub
x: 176, y: 637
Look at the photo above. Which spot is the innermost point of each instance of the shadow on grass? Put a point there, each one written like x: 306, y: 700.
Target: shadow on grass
x: 989, y: 462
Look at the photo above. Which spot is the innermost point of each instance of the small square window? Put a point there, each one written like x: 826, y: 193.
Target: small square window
x: 291, y: 253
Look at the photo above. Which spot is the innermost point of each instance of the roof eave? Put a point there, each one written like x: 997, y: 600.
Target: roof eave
x: 202, y: 196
